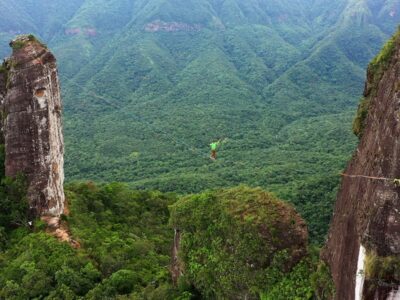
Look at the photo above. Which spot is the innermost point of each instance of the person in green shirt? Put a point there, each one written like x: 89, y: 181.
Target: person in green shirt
x: 214, y: 146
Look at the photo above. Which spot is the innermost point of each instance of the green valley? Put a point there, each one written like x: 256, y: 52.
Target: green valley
x: 149, y: 84
x: 146, y: 86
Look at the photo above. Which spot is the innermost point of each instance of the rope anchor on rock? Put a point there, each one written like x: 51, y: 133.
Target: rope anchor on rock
x: 395, y: 181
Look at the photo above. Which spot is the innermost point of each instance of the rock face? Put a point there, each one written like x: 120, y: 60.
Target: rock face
x: 32, y: 124
x: 176, y: 264
x: 3, y: 91
x: 365, y: 230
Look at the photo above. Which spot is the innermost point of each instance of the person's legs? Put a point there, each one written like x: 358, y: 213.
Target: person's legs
x: 213, y: 154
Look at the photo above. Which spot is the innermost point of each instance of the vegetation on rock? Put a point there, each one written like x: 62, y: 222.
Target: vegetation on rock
x: 322, y: 282
x: 22, y: 40
x: 361, y: 116
x: 376, y: 69
x: 13, y: 202
x: 237, y: 242
x: 382, y: 270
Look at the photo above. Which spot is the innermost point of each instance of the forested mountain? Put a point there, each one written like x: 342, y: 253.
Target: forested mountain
x: 148, y: 84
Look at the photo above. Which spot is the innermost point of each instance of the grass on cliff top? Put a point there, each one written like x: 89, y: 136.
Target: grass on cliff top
x: 376, y: 70
x: 19, y: 44
x: 253, y: 206
x: 381, y: 61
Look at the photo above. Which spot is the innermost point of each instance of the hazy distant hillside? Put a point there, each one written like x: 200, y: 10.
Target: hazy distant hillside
x: 279, y: 79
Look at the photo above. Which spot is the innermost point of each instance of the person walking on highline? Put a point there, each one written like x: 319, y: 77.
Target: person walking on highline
x: 214, y: 146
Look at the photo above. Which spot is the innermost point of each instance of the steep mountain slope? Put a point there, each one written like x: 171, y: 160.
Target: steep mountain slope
x: 270, y: 75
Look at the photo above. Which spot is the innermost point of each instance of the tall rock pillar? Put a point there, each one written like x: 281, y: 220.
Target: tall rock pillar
x: 34, y: 143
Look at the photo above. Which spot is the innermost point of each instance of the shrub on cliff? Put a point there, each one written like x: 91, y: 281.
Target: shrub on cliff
x: 13, y: 202
x: 383, y: 270
x: 237, y: 242
x: 376, y: 69
x: 23, y: 40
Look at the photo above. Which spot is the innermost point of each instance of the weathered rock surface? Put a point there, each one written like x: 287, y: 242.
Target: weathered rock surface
x: 32, y: 125
x: 3, y: 91
x: 176, y: 264
x: 367, y: 211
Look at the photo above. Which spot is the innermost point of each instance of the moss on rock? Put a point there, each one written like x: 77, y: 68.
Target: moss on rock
x: 376, y: 70
x: 323, y: 283
x: 384, y: 269
x: 361, y: 115
x: 22, y: 40
x: 234, y: 240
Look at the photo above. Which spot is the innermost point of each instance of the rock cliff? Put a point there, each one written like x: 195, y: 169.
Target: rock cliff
x: 3, y: 91
x: 31, y: 106
x: 363, y: 244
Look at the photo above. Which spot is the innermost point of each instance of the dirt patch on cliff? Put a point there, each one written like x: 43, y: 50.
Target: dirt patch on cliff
x: 60, y: 229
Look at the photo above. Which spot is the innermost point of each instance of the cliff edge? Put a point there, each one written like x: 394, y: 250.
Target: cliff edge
x: 363, y: 244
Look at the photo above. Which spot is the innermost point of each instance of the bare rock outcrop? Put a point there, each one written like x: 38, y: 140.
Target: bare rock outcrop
x: 363, y: 247
x: 3, y: 92
x: 32, y: 123
x: 176, y: 264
